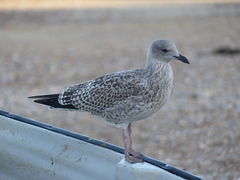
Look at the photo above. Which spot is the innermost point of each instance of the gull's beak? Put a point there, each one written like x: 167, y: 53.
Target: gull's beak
x: 182, y: 58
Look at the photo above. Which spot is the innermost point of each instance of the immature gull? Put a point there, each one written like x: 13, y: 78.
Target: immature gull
x: 123, y: 97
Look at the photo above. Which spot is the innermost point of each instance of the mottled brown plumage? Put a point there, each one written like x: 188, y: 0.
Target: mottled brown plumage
x: 124, y: 97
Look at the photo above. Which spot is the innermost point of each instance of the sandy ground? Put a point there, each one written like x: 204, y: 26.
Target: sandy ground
x: 198, y: 130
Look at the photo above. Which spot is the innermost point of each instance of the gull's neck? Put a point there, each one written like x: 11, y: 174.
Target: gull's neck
x: 156, y: 67
x: 159, y: 78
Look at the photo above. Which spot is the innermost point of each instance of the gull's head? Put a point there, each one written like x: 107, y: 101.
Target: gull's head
x: 165, y: 50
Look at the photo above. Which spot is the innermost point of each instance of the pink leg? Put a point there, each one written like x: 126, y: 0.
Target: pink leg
x: 128, y: 158
x: 135, y: 154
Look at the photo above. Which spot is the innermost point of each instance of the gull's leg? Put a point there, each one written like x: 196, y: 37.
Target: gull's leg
x: 135, y: 154
x: 128, y: 158
x: 125, y: 143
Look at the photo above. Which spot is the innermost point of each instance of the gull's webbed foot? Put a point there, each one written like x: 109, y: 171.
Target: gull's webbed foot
x: 133, y: 160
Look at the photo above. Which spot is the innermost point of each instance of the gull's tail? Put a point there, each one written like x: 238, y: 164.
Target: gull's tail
x: 51, y: 100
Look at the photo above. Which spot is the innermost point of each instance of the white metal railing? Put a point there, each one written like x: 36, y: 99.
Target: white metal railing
x: 38, y: 151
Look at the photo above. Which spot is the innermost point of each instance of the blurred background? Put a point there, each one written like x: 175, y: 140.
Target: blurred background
x: 45, y: 46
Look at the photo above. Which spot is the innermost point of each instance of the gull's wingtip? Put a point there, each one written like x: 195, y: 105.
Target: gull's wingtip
x: 51, y: 100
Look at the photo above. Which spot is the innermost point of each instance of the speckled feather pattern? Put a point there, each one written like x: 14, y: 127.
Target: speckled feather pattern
x: 123, y: 97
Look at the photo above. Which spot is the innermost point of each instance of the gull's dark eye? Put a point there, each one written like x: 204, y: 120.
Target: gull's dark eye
x: 164, y: 50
